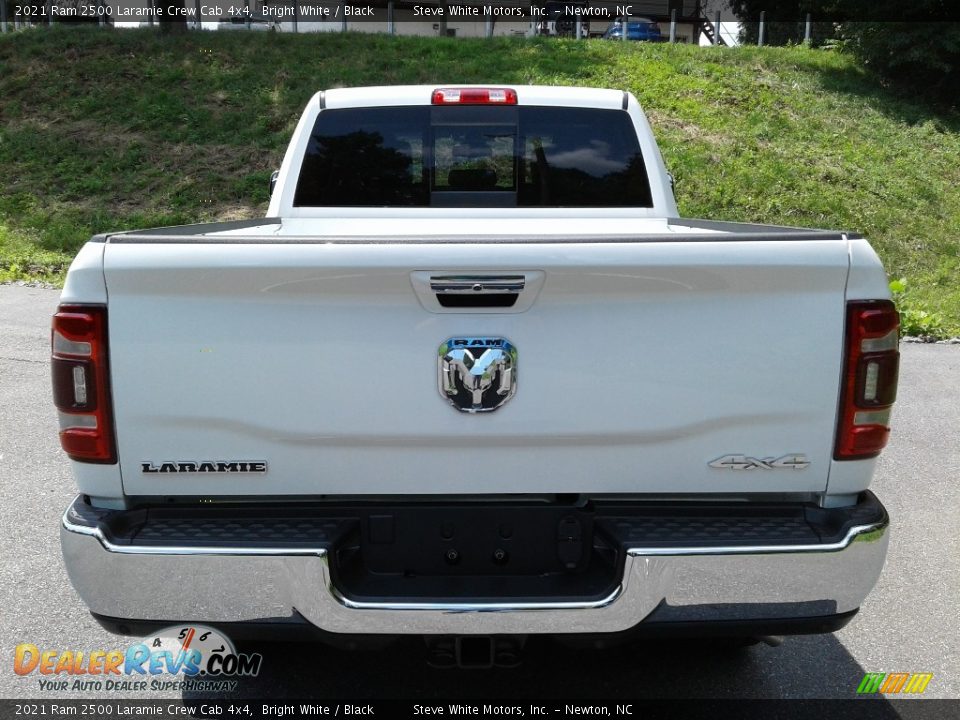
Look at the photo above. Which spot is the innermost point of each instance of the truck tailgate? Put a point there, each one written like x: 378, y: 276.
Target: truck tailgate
x: 638, y: 364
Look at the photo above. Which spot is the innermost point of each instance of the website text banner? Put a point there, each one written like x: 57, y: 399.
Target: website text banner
x: 231, y: 709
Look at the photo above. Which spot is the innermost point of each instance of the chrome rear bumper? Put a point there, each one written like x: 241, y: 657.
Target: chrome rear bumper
x: 711, y: 583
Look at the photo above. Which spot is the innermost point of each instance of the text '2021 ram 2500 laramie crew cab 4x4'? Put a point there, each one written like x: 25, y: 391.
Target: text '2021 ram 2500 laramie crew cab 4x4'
x: 473, y: 377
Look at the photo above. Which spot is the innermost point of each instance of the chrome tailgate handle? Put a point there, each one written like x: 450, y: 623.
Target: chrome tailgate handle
x: 469, y: 290
x: 477, y: 284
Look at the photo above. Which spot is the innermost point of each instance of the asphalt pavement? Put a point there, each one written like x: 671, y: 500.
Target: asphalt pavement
x: 908, y: 624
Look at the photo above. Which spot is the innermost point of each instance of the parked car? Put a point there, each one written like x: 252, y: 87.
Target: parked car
x: 637, y: 29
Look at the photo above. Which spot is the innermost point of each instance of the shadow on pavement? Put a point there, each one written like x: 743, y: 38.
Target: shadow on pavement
x: 803, y: 667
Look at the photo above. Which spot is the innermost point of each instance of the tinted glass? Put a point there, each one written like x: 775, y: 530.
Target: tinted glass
x: 365, y: 157
x: 473, y: 156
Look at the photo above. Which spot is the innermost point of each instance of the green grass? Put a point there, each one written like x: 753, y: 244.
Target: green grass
x: 104, y: 130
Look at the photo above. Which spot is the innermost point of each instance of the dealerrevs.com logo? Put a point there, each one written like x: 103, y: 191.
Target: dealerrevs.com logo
x: 180, y: 657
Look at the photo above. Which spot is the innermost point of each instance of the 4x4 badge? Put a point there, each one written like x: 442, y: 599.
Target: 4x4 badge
x: 477, y: 374
x: 744, y: 462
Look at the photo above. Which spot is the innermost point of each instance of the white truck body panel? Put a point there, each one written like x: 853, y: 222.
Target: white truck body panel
x: 320, y: 360
x: 449, y: 222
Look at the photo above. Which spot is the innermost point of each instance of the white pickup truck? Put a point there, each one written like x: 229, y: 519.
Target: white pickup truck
x: 473, y: 378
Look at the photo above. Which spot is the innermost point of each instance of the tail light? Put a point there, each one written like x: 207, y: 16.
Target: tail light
x: 474, y: 96
x: 81, y: 389
x: 871, y: 364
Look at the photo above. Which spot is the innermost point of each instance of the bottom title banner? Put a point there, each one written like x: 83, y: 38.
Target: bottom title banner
x: 403, y: 709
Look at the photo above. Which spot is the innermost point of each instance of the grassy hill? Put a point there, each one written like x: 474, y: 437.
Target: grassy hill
x: 114, y: 129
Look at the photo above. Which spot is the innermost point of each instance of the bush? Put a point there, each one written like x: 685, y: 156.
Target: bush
x: 915, y: 319
x: 924, y: 53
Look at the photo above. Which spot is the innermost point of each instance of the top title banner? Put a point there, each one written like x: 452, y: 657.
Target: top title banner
x: 279, y: 14
x: 258, y: 12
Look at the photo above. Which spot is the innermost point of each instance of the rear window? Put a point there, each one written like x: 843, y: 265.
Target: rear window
x: 473, y: 156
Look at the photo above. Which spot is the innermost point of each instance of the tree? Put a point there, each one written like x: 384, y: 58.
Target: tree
x: 909, y: 42
x: 900, y: 41
x: 174, y: 17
